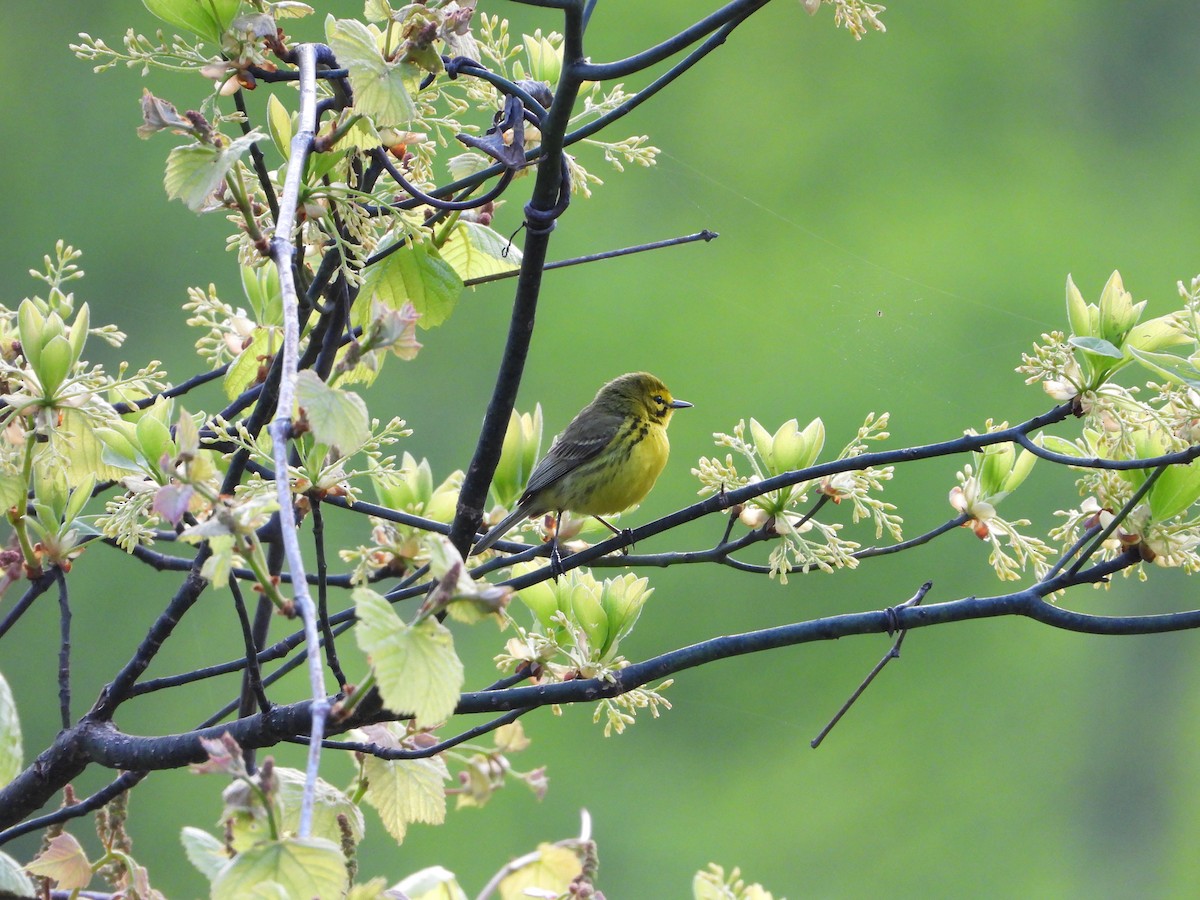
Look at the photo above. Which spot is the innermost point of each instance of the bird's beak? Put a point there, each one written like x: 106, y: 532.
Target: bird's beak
x: 679, y: 404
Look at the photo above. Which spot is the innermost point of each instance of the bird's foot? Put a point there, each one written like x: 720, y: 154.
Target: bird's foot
x: 556, y: 564
x: 627, y: 533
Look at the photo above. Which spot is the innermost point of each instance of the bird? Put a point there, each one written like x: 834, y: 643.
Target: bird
x: 605, y: 461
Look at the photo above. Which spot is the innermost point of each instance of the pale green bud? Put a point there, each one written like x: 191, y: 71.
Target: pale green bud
x: 1084, y: 318
x: 518, y: 455
x: 541, y: 598
x: 789, y: 448
x: 1118, y: 312
x: 622, y: 600
x: 408, y: 489
x: 994, y: 466
x: 443, y: 502
x: 545, y: 60
x: 582, y: 597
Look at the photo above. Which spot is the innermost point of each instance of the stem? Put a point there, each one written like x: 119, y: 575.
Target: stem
x: 237, y: 187
x: 283, y: 253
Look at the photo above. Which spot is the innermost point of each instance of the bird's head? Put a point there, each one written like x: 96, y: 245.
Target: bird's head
x: 640, y: 393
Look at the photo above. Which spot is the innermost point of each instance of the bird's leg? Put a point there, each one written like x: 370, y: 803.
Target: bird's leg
x: 619, y: 532
x: 556, y: 566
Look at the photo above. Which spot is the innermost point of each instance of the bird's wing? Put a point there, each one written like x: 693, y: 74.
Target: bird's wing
x: 588, y: 434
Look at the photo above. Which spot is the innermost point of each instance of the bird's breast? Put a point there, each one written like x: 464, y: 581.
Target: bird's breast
x: 638, y: 455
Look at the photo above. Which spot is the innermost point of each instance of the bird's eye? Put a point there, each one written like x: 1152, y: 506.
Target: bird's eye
x: 658, y: 399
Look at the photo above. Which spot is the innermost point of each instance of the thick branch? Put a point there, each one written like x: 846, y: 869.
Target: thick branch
x: 623, y: 68
x: 548, y: 200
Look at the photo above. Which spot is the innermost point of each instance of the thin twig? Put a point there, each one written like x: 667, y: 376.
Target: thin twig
x: 1119, y: 517
x: 704, y: 235
x: 253, y: 675
x: 119, y: 785
x: 36, y: 588
x: 331, y: 657
x: 424, y: 752
x: 893, y: 653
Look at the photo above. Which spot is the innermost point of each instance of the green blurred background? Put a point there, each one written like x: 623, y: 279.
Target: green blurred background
x: 897, y: 218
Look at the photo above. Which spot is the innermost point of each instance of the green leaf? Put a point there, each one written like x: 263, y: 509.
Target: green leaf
x: 416, y: 274
x: 474, y: 250
x: 10, y: 735
x: 206, y: 18
x: 154, y: 437
x: 403, y: 791
x: 433, y: 883
x: 13, y: 880
x: 1154, y: 334
x: 302, y: 867
x: 552, y: 871
x: 361, y: 134
x: 338, y: 418
x: 204, y: 851
x: 196, y: 170
x: 467, y: 163
x: 76, y: 442
x: 328, y: 804
x: 1096, y: 346
x: 379, y: 85
x: 375, y: 889
x: 377, y: 11
x: 243, y: 371
x: 1174, y: 491
x: 1174, y: 368
x: 279, y: 125
x: 416, y: 666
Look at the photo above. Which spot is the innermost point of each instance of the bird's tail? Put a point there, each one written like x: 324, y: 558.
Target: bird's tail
x: 501, y: 529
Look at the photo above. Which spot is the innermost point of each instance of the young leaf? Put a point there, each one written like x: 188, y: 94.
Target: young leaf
x: 553, y: 871
x: 433, y: 883
x: 13, y: 880
x: 302, y: 867
x: 379, y: 88
x: 416, y: 666
x: 204, y: 18
x: 417, y: 274
x: 10, y: 735
x: 403, y: 791
x: 279, y: 124
x: 196, y: 170
x: 1174, y: 491
x: 1174, y: 368
x: 204, y: 851
x: 1096, y: 346
x: 338, y: 418
x: 65, y: 862
x: 475, y: 250
x: 243, y: 371
x: 329, y: 803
